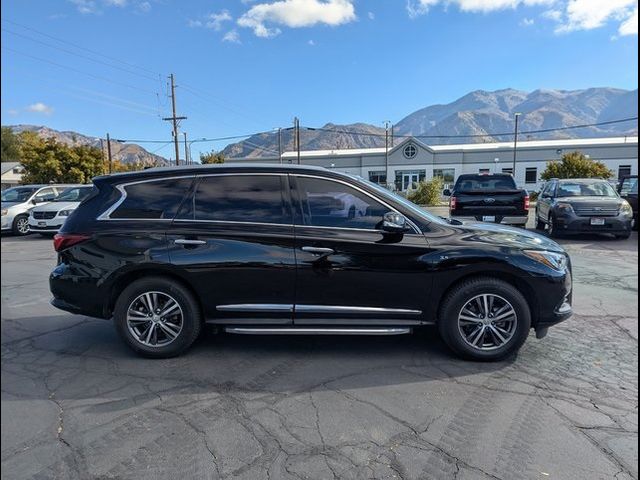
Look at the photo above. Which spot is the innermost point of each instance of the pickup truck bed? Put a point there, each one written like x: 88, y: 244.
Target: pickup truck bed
x: 490, y: 198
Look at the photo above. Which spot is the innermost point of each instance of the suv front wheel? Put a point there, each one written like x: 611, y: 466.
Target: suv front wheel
x: 157, y: 317
x: 484, y: 319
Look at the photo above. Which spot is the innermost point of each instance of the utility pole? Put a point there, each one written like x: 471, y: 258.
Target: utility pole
x: 296, y: 123
x: 515, y: 145
x: 174, y: 119
x: 386, y: 152
x: 186, y: 149
x: 280, y: 144
x: 392, y: 135
x: 109, y: 154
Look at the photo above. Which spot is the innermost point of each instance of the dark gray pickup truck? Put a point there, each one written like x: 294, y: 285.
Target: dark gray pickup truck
x: 488, y: 198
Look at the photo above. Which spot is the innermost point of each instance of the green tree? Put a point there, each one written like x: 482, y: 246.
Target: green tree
x: 211, y: 157
x: 427, y: 192
x: 10, y: 146
x: 48, y: 161
x: 576, y: 165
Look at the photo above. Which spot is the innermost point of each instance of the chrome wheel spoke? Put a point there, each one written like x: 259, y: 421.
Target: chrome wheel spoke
x: 155, y: 319
x: 487, y: 322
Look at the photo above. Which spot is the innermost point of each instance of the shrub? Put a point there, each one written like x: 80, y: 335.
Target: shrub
x: 576, y: 165
x: 427, y: 192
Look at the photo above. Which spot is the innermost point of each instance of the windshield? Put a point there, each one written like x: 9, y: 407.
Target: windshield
x: 75, y: 194
x: 629, y: 186
x: 420, y: 212
x: 484, y: 183
x: 596, y: 189
x: 17, y: 194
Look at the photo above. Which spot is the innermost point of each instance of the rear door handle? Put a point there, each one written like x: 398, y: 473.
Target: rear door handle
x: 319, y: 251
x: 187, y: 241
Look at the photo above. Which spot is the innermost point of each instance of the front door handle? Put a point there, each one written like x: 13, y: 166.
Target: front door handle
x: 319, y: 251
x: 187, y: 241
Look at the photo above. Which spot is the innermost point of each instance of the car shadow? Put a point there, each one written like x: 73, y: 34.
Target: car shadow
x: 88, y: 360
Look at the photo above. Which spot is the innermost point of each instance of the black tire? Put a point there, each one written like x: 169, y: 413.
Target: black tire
x: 624, y: 236
x: 18, y: 226
x: 190, y: 312
x: 457, y: 299
x: 553, y: 228
x: 540, y: 225
x: 48, y: 235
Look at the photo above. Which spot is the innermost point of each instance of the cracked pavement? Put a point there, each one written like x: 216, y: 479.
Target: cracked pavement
x: 76, y: 403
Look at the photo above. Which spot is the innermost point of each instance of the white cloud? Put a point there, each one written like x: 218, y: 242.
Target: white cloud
x: 527, y: 22
x: 144, y: 7
x: 311, y: 43
x: 86, y: 7
x: 570, y: 15
x: 630, y: 25
x: 371, y: 15
x: 194, y: 23
x: 296, y: 14
x: 13, y: 112
x: 215, y: 20
x: 232, y: 36
x: 40, y: 107
x: 116, y: 3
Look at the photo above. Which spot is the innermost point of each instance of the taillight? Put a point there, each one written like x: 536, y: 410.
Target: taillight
x: 62, y: 241
x: 527, y: 203
x: 452, y: 203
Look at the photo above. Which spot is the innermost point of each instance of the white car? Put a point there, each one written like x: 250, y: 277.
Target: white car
x: 18, y: 201
x: 48, y: 219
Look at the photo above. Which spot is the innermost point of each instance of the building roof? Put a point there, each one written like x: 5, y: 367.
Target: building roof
x: 467, y: 147
x: 8, y: 166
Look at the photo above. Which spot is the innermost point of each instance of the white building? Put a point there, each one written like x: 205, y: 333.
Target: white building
x: 412, y: 160
x: 11, y: 174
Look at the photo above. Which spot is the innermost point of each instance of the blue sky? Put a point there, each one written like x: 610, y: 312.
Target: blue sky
x: 244, y: 66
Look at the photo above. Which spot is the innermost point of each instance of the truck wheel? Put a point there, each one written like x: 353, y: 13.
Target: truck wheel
x: 539, y: 223
x: 484, y: 319
x: 553, y: 228
x: 21, y: 225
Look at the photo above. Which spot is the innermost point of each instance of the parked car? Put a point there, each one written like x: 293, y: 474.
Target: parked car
x: 18, y: 201
x: 48, y: 218
x: 245, y: 248
x: 628, y: 189
x: 488, y: 198
x: 583, y: 205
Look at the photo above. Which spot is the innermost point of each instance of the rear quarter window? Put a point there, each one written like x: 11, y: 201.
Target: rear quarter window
x: 157, y: 199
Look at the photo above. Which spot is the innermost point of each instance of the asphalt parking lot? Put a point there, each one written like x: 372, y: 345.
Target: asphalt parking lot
x: 76, y: 403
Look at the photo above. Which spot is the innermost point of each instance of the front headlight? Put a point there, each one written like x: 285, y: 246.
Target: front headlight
x: 565, y: 207
x: 625, y: 209
x: 556, y: 261
x: 5, y: 211
x: 64, y: 213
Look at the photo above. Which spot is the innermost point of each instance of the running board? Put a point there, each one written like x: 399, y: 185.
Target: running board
x: 317, y: 331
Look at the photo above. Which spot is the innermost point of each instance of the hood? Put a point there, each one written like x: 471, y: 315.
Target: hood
x: 10, y: 204
x: 512, y: 237
x: 56, y: 206
x: 602, y: 201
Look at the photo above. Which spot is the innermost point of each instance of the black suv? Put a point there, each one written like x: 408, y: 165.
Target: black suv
x: 587, y: 205
x: 258, y: 249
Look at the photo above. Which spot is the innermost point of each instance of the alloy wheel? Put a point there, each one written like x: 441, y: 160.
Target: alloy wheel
x: 487, y: 322
x: 155, y: 319
x: 22, y: 225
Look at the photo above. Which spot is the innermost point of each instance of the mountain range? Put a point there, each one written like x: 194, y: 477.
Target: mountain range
x: 123, y: 152
x: 480, y: 116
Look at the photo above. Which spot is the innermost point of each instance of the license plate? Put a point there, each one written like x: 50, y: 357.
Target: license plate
x: 489, y: 218
x: 42, y: 224
x: 597, y: 221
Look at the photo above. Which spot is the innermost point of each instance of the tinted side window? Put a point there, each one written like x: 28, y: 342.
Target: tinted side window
x: 46, y: 194
x: 242, y: 198
x: 155, y: 199
x: 325, y: 203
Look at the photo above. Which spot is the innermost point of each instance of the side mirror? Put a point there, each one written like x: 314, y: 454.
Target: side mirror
x: 446, y: 192
x: 394, y: 222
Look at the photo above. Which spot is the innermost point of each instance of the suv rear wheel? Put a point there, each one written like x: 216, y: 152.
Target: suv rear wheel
x: 157, y: 317
x: 484, y: 319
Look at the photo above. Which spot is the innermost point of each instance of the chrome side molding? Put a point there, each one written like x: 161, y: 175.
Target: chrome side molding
x: 354, y: 310
x: 257, y: 308
x: 317, y: 331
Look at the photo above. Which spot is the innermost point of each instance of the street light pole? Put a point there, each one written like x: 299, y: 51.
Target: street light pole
x: 515, y: 145
x: 386, y: 154
x: 186, y: 149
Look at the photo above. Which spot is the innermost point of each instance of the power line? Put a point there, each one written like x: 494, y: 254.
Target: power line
x: 99, y: 77
x: 86, y: 57
x: 80, y: 47
x: 484, y: 135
